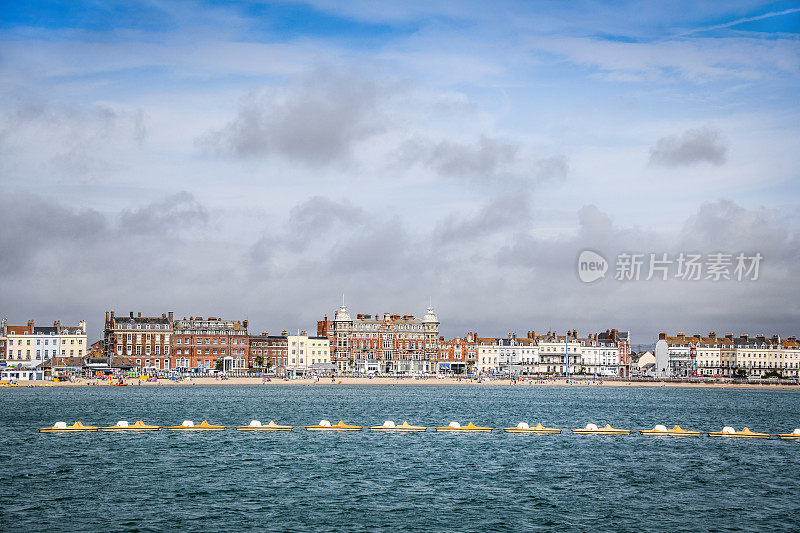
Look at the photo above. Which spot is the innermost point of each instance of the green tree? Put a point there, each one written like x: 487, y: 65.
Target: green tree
x: 218, y: 364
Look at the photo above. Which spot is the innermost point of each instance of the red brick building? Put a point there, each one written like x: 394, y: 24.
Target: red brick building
x: 144, y: 339
x: 269, y: 352
x: 457, y: 354
x: 201, y: 343
x: 388, y: 343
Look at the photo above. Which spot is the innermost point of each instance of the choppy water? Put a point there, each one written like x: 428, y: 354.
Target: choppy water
x: 427, y: 482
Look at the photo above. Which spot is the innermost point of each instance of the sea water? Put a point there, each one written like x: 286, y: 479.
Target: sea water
x: 359, y: 481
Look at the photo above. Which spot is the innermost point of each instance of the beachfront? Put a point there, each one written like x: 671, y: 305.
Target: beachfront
x: 407, y: 381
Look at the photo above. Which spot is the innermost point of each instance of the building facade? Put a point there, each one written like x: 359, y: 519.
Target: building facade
x: 269, y: 352
x: 308, y: 355
x: 388, y: 343
x: 146, y: 340
x: 210, y: 343
x: 456, y: 356
x: 559, y: 353
x: 30, y: 345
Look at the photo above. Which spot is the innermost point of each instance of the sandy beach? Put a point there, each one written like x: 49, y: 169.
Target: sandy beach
x: 345, y: 381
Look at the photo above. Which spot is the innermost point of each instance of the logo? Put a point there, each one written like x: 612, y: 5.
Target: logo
x: 591, y: 266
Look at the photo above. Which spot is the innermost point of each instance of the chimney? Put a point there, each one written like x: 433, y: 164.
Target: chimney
x: 729, y: 336
x: 30, y: 323
x: 244, y: 324
x: 131, y: 314
x: 106, y: 317
x: 681, y: 335
x: 140, y: 315
x: 284, y: 333
x: 112, y: 315
x: 662, y: 336
x: 169, y: 316
x: 163, y: 315
x: 82, y: 324
x: 712, y: 335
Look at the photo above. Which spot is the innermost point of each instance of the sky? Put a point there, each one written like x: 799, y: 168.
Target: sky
x: 259, y: 160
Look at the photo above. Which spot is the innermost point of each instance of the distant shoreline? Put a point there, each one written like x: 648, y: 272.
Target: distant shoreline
x: 405, y: 381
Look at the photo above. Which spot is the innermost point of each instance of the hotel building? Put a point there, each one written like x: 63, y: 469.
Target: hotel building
x: 146, y: 340
x: 387, y: 343
x: 199, y: 342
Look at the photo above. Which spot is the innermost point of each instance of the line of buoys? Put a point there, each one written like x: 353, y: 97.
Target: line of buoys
x: 390, y: 427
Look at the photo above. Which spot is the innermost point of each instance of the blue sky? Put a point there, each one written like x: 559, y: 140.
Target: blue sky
x: 394, y: 151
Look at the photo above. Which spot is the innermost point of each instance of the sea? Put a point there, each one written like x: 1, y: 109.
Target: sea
x: 367, y: 481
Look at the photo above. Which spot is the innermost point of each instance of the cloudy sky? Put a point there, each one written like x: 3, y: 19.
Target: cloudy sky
x: 259, y: 159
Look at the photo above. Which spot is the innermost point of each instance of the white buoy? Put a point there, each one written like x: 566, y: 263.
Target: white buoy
x: 60, y: 425
x: 325, y: 423
x: 187, y: 424
x: 389, y: 424
x: 591, y: 427
x: 660, y: 427
x: 523, y: 425
x: 255, y: 423
x: 796, y: 431
x: 454, y: 425
x: 728, y: 429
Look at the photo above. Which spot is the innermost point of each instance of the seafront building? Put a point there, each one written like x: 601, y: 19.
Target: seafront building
x: 269, y: 352
x: 146, y: 339
x: 458, y: 354
x: 30, y: 345
x: 308, y: 355
x: 210, y: 344
x: 712, y: 356
x: 388, y: 343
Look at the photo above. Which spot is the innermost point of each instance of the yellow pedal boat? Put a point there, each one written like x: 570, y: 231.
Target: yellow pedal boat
x: 794, y: 435
x: 62, y: 427
x: 256, y: 425
x: 123, y: 425
x: 188, y: 425
x: 455, y: 427
x: 523, y: 427
x: 405, y: 427
x: 325, y: 425
x: 592, y: 429
x: 677, y: 431
x: 728, y: 431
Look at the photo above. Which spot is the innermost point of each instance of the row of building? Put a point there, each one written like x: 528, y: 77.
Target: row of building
x: 727, y: 356
x: 386, y: 344
x: 381, y: 343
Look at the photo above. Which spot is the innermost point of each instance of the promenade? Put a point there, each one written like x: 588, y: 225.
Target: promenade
x: 408, y: 381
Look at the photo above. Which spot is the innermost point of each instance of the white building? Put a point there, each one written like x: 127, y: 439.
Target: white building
x: 599, y: 356
x: 308, y: 355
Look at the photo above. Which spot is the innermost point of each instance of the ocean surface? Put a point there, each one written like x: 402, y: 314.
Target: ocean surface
x: 308, y: 481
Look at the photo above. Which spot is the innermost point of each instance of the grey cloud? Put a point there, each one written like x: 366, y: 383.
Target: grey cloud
x: 30, y: 225
x: 174, y: 212
x: 487, y: 159
x: 315, y: 121
x: 702, y: 145
x: 497, y: 215
x: 77, y: 141
x: 83, y: 262
x: 318, y: 214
